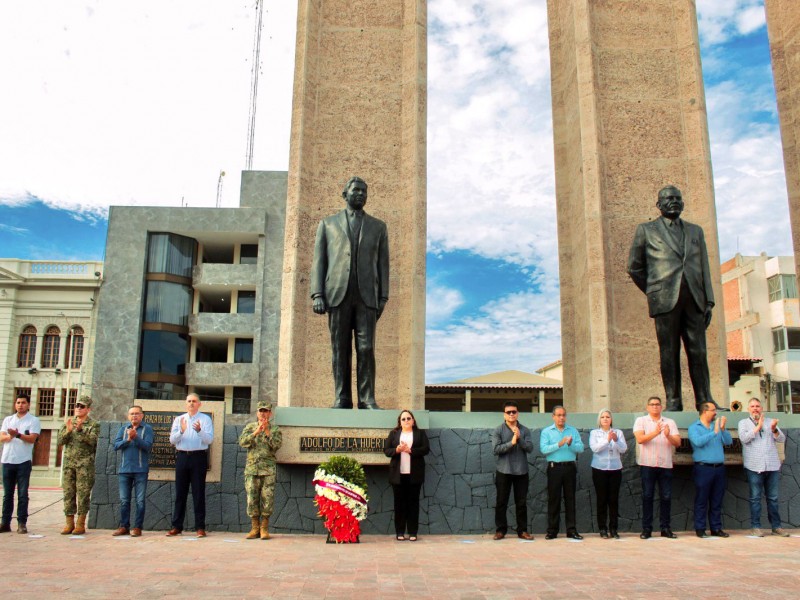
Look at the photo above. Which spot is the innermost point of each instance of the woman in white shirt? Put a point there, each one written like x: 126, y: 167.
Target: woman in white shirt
x: 407, y: 446
x: 608, y: 445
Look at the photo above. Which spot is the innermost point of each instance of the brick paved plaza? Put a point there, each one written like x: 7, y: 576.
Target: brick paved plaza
x: 224, y: 565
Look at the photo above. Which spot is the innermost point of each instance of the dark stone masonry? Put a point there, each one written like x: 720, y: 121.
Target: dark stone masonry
x: 458, y: 496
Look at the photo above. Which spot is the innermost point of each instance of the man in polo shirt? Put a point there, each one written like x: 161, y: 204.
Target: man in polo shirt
x: 708, y: 436
x: 657, y: 437
x: 762, y: 465
x: 511, y: 443
x: 561, y: 443
x: 191, y: 434
x: 18, y: 434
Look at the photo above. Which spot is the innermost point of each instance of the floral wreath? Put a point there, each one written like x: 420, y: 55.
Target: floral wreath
x: 342, y: 503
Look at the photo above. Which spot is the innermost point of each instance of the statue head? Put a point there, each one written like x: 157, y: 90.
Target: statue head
x: 355, y: 193
x: 670, y: 202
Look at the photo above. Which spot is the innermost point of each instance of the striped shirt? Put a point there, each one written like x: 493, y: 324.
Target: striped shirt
x: 758, y: 447
x: 658, y: 451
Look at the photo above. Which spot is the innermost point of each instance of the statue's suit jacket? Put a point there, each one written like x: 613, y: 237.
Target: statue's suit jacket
x: 657, y: 265
x: 330, y: 270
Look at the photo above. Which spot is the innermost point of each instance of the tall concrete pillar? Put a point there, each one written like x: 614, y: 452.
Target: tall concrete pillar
x: 629, y: 117
x: 783, y: 27
x: 359, y: 108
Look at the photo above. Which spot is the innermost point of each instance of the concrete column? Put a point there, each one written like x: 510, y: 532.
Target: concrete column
x: 783, y: 27
x: 542, y: 407
x: 467, y: 400
x: 359, y: 108
x: 629, y: 117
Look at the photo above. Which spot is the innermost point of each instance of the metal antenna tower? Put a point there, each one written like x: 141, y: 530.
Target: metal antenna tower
x: 254, y: 71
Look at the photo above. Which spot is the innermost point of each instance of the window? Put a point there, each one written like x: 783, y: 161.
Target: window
x: 163, y: 352
x: 47, y: 402
x: 781, y: 287
x: 27, y: 347
x: 246, y: 302
x: 785, y: 338
x: 41, y: 451
x: 52, y: 341
x: 156, y: 390
x: 241, y: 400
x: 168, y: 302
x: 788, y: 396
x: 68, y: 404
x: 75, y: 348
x: 248, y: 254
x: 171, y: 253
x: 243, y: 351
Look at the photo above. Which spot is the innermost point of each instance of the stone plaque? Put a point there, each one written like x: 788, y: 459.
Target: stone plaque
x: 333, y: 443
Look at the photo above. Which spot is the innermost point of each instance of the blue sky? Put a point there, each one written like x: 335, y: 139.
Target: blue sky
x: 138, y: 104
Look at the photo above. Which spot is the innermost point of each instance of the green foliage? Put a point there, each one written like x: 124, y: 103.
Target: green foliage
x: 347, y: 468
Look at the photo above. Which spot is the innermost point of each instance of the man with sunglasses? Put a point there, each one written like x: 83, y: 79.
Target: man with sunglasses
x: 511, y: 442
x: 78, y: 436
x: 561, y: 443
x: 18, y: 435
x: 262, y: 440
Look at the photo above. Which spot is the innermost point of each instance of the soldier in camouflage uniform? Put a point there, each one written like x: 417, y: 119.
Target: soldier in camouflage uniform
x: 78, y: 436
x: 262, y: 440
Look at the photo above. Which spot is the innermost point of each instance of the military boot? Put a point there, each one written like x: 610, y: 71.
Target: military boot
x: 254, y: 531
x: 80, y: 526
x: 70, y: 526
x: 264, y: 528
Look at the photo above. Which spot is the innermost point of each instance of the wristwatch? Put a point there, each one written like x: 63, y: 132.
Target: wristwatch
x: 19, y: 435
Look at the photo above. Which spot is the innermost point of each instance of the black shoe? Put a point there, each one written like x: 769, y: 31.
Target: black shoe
x: 719, y: 533
x: 5, y: 528
x: 646, y: 535
x: 667, y: 533
x: 368, y: 406
x: 575, y: 536
x: 614, y: 534
x: 604, y: 534
x: 701, y: 533
x: 674, y: 405
x: 342, y: 404
x: 551, y: 536
x: 719, y: 408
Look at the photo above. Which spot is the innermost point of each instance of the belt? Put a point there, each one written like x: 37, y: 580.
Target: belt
x: 190, y: 451
x: 562, y: 463
x: 713, y: 465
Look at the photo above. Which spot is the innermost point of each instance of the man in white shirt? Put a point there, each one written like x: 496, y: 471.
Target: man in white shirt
x: 18, y: 435
x: 191, y: 434
x: 762, y: 465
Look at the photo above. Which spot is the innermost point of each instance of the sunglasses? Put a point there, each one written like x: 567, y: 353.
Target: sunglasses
x: 80, y: 406
x: 511, y: 412
x: 407, y: 419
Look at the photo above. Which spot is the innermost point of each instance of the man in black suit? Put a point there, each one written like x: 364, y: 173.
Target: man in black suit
x: 669, y: 262
x: 350, y: 281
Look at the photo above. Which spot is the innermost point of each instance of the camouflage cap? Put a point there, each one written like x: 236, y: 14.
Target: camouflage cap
x: 264, y: 404
x: 85, y: 400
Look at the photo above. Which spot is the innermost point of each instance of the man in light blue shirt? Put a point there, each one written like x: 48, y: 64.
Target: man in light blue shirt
x: 708, y: 436
x: 191, y: 434
x: 561, y: 443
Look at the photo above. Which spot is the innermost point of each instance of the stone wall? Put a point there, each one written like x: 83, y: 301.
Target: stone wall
x: 458, y: 495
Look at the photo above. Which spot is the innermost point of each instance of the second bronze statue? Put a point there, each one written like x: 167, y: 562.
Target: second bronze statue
x: 350, y: 281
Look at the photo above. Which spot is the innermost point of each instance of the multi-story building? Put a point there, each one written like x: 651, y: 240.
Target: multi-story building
x: 47, y: 328
x: 762, y: 321
x: 191, y: 302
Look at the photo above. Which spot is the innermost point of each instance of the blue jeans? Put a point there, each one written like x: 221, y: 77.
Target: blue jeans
x: 16, y: 476
x: 709, y: 491
x: 126, y: 482
x: 768, y: 482
x: 651, y: 476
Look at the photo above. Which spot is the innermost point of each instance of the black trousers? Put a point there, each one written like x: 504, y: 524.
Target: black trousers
x: 561, y: 477
x: 406, y: 506
x: 606, y: 485
x: 684, y: 322
x: 353, y: 319
x: 504, y: 482
x: 190, y: 470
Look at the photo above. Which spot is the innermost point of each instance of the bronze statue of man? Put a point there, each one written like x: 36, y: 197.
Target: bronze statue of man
x: 350, y: 281
x: 669, y: 262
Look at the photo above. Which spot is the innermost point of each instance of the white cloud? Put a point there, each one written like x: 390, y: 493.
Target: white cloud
x: 14, y: 230
x: 440, y: 303
x: 721, y: 20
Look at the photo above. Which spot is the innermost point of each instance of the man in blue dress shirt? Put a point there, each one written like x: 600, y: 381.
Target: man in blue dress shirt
x: 561, y: 443
x: 708, y: 436
x: 191, y: 434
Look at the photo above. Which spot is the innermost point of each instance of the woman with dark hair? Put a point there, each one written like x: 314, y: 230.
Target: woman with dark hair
x: 608, y: 445
x: 407, y: 446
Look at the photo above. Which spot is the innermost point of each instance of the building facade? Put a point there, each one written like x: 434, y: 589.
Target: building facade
x: 762, y: 321
x: 47, y: 330
x: 191, y: 302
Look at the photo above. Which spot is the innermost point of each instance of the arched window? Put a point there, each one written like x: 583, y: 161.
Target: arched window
x: 52, y: 342
x: 27, y: 347
x: 75, y: 348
